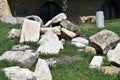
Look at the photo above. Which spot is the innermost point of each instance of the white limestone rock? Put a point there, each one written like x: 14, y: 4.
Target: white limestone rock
x: 30, y: 31
x: 42, y: 71
x: 96, y: 62
x: 56, y: 30
x: 59, y: 18
x: 17, y: 73
x: 26, y: 58
x: 114, y: 55
x: 13, y: 33
x: 49, y: 43
x: 80, y: 42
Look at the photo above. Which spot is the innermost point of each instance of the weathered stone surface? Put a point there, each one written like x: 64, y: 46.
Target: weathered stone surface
x: 59, y: 18
x: 90, y: 49
x: 20, y: 47
x: 9, y: 19
x: 55, y: 29
x: 30, y: 31
x: 70, y: 34
x: 96, y: 62
x: 42, y: 71
x: 110, y: 69
x: 26, y: 58
x: 80, y: 42
x: 14, y: 33
x: 62, y: 59
x: 114, y: 55
x: 70, y: 26
x: 104, y: 40
x: 17, y: 73
x: 49, y: 43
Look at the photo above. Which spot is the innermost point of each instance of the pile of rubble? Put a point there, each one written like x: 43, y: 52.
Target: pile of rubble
x: 51, y: 37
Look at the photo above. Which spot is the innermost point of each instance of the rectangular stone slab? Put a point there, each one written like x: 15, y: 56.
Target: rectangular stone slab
x: 30, y: 31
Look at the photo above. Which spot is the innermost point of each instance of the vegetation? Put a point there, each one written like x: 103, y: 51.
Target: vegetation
x: 78, y: 70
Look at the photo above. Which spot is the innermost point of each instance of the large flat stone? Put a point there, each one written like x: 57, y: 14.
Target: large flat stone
x: 30, y: 31
x: 104, y: 40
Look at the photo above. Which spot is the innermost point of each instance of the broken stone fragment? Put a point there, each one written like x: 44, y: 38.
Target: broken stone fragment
x: 59, y: 18
x: 68, y: 33
x: 26, y: 58
x: 70, y: 26
x: 13, y: 33
x: 96, y: 62
x: 80, y: 42
x: 50, y: 43
x: 42, y: 71
x: 17, y: 73
x: 114, y: 55
x: 104, y: 40
x: 55, y: 29
x: 30, y: 31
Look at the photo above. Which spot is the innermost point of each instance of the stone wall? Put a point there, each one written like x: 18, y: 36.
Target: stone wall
x: 75, y: 9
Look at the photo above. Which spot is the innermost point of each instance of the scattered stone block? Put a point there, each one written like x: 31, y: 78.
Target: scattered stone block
x: 70, y: 34
x: 96, y: 62
x: 55, y: 29
x: 30, y: 31
x: 59, y: 18
x: 49, y: 43
x: 80, y: 42
x: 17, y: 73
x: 104, y: 40
x: 70, y: 26
x: 42, y: 71
x: 26, y: 58
x: 114, y: 55
x: 13, y: 33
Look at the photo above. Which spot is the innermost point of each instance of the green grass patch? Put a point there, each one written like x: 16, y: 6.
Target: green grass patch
x: 78, y: 70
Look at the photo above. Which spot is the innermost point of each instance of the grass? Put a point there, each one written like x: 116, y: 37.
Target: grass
x: 78, y: 70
